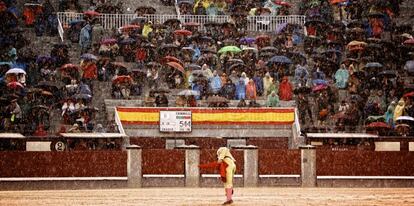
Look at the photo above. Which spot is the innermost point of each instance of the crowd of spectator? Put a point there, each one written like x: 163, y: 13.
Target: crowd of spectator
x: 348, y: 66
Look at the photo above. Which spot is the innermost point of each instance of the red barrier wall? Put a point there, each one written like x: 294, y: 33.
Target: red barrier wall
x: 162, y: 161
x: 148, y: 142
x: 269, y: 143
x: 210, y: 155
x: 364, y: 163
x: 63, y: 164
x: 279, y: 162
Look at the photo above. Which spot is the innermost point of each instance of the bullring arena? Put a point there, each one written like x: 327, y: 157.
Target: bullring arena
x: 207, y: 102
x: 213, y: 196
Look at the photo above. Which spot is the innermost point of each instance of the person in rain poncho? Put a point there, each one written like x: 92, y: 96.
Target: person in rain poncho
x: 389, y: 115
x: 85, y: 38
x: 285, y: 89
x: 147, y: 29
x: 301, y: 75
x: 251, y: 92
x: 215, y: 83
x: 267, y: 82
x: 399, y: 109
x: 341, y: 77
x: 206, y: 71
x: 240, y: 90
x: 227, y: 166
x: 273, y: 100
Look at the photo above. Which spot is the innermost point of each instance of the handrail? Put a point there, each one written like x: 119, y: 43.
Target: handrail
x: 254, y: 23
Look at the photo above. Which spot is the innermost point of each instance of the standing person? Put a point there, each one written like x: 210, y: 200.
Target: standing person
x: 85, y: 39
x: 97, y: 35
x: 226, y: 164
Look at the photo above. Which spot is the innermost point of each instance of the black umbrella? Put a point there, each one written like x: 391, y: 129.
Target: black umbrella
x: 388, y: 74
x: 50, y: 84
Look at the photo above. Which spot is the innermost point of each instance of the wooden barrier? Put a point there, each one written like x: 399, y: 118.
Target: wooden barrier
x: 161, y: 161
x: 364, y: 163
x: 63, y: 164
x: 281, y: 162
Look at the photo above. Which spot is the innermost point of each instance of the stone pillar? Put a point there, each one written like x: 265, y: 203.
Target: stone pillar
x: 251, y: 165
x: 192, y: 160
x: 308, y: 165
x: 134, y: 166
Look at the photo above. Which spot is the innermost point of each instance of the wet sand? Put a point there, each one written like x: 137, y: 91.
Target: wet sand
x: 212, y: 196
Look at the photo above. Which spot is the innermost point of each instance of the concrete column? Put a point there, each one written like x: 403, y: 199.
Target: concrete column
x: 192, y: 160
x: 134, y: 167
x: 308, y: 165
x: 251, y: 165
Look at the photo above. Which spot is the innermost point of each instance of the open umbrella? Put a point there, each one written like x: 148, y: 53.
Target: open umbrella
x: 53, y: 85
x: 188, y: 92
x: 172, y: 59
x: 91, y: 13
x: 81, y: 96
x: 127, y: 41
x: 247, y: 40
x: 16, y: 71
x: 237, y: 65
x: 409, y: 94
x: 409, y: 66
x: 405, y: 118
x: 183, y: 32
x: 319, y: 87
x: 168, y: 46
x: 268, y: 49
x: 15, y: 85
x: 409, y: 42
x: 122, y: 79
x: 280, y: 60
x: 233, y: 49
x: 388, y: 74
x: 68, y: 67
x: 194, y: 66
x: 129, y: 27
x: 176, y: 66
x: 109, y: 41
x: 378, y: 125
x: 88, y: 56
x: 373, y: 65
x: 119, y: 64
x: 235, y: 61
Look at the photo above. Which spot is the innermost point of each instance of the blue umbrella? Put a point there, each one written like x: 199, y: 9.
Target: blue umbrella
x: 247, y: 40
x: 89, y: 57
x: 280, y: 60
x: 127, y: 41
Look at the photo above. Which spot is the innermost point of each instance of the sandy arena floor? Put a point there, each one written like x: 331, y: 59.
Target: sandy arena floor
x: 212, y: 196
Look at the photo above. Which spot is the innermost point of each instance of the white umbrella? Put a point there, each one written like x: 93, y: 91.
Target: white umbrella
x: 188, y: 92
x: 16, y: 71
x: 405, y: 118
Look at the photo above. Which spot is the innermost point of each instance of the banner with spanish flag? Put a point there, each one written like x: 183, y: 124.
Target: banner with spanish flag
x: 207, y: 116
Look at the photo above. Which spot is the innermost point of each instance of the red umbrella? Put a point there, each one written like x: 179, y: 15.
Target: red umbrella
x: 129, y: 27
x: 67, y: 67
x: 262, y: 38
x: 409, y: 41
x: 283, y: 3
x: 176, y: 66
x: 183, y: 32
x: 15, y: 85
x: 378, y: 125
x: 172, y: 59
x: 409, y: 94
x: 319, y: 88
x: 337, y: 1
x: 91, y: 13
x: 122, y: 79
x: 109, y: 41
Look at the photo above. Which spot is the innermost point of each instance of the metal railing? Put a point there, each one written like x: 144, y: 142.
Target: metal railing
x: 61, y: 31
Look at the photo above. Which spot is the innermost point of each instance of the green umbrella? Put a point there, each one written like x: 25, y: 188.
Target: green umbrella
x: 229, y: 49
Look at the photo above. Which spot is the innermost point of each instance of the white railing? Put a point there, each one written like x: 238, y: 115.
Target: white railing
x: 61, y: 31
x: 254, y: 23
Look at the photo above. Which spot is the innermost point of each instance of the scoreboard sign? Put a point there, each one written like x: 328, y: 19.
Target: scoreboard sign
x: 175, y: 121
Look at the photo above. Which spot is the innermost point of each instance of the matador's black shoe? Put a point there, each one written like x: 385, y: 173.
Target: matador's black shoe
x: 228, y: 202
